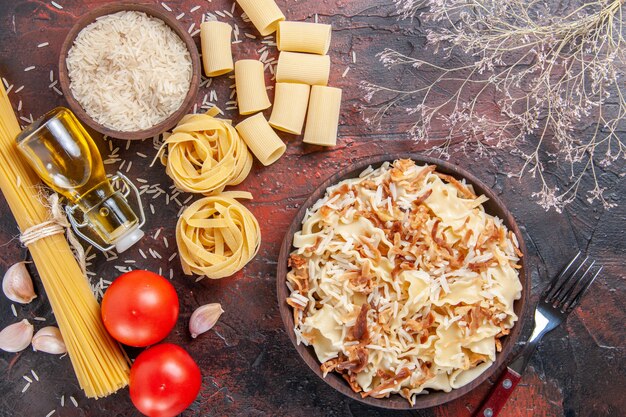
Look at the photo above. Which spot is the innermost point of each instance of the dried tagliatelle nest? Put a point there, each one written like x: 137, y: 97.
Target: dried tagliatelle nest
x: 217, y: 235
x: 402, y: 283
x: 205, y: 154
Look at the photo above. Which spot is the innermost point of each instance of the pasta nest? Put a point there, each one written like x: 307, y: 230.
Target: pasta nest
x: 205, y: 154
x: 217, y: 236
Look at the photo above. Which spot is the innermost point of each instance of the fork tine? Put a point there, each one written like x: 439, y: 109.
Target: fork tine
x: 572, y: 302
x: 569, y: 277
x: 566, y: 292
x: 549, y: 293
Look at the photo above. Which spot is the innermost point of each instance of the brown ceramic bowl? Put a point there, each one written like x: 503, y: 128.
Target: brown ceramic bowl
x: 494, y: 207
x: 150, y: 10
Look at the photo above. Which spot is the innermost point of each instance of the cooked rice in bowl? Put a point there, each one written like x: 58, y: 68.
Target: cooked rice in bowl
x: 402, y: 283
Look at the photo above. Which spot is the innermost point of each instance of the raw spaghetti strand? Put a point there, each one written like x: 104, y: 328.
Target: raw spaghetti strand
x: 205, y: 154
x: 217, y: 236
x: 100, y: 365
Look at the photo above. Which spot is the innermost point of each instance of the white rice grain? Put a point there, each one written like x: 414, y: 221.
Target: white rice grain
x: 129, y: 71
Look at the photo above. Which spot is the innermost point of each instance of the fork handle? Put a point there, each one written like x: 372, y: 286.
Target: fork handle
x: 499, y: 394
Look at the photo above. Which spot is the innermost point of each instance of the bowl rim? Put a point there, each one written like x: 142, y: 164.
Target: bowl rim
x: 434, y: 398
x: 151, y: 10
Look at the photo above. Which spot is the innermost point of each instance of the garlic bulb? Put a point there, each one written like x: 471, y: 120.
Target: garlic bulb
x: 16, y: 337
x: 49, y: 340
x: 204, y: 318
x: 18, y: 285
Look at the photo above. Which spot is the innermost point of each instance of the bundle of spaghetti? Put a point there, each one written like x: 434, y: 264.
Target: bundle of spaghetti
x: 217, y: 236
x: 205, y: 154
x: 99, y: 363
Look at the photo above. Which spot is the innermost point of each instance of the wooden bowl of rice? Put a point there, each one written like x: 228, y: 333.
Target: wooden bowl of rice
x: 129, y: 70
x: 493, y: 206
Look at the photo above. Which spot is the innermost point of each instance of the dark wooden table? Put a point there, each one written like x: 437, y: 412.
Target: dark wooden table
x: 249, y: 366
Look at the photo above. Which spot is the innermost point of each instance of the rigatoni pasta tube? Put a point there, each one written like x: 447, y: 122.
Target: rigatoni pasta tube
x: 217, y: 57
x: 250, y: 83
x: 261, y: 139
x: 290, y: 104
x: 323, y: 116
x: 295, y: 67
x: 264, y: 14
x: 313, y: 38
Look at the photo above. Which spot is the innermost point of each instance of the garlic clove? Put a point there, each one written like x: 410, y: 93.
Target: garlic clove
x: 18, y: 285
x: 49, y: 340
x: 16, y: 337
x: 204, y: 318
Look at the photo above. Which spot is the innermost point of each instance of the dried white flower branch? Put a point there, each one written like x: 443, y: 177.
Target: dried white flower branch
x: 555, y: 79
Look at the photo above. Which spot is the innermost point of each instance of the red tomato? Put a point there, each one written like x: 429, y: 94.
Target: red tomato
x: 164, y: 380
x: 140, y: 308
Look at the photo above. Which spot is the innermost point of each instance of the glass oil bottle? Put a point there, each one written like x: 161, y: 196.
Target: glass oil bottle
x: 66, y: 158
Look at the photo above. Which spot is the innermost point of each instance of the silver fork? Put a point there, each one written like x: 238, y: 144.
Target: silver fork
x: 561, y: 297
